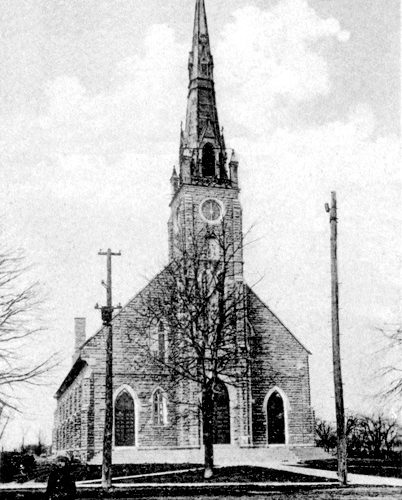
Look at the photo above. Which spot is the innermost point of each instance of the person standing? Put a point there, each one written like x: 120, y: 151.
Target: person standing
x: 61, y: 485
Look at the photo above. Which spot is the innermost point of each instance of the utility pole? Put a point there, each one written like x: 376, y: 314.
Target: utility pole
x: 336, y: 351
x: 107, y: 312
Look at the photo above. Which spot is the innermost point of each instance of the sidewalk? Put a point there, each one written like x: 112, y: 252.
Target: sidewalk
x: 353, y: 480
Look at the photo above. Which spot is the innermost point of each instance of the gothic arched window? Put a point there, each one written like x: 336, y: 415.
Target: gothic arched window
x: 158, y: 408
x: 161, y: 342
x: 214, y: 250
x: 208, y: 160
x: 157, y: 341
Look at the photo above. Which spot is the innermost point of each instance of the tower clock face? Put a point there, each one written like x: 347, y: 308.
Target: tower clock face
x: 211, y: 211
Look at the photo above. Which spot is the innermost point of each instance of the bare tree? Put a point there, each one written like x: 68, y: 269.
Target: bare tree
x: 199, y: 300
x: 19, y: 303
x: 391, y: 371
x: 380, y: 434
x: 372, y: 436
x: 325, y: 435
x: 354, y: 435
x: 4, y: 420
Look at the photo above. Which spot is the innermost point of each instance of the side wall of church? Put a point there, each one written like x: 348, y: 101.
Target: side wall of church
x: 72, y: 431
x: 279, y: 361
x: 135, y: 371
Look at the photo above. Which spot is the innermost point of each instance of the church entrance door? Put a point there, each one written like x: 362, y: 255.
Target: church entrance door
x: 276, y: 419
x: 124, y: 420
x: 222, y: 415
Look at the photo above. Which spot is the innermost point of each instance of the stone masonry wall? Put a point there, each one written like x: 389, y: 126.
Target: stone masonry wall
x: 71, y: 418
x: 279, y: 360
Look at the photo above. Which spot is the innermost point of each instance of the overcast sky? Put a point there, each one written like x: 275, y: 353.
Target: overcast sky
x: 92, y: 93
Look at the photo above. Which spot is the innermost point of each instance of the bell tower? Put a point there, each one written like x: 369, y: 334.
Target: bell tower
x: 205, y: 186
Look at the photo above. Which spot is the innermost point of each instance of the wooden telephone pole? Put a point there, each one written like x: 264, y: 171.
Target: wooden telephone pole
x: 107, y: 312
x: 336, y: 352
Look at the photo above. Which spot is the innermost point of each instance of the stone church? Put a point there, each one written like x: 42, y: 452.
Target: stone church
x: 272, y: 407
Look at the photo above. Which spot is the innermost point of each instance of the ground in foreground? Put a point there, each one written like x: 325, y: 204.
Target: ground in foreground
x: 238, y: 474
x: 383, y: 468
x: 360, y: 493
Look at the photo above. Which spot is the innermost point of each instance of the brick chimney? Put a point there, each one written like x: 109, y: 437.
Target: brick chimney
x: 79, y: 335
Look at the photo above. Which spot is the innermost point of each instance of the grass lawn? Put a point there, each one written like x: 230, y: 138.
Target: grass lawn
x: 371, y: 467
x: 346, y: 494
x: 293, y: 494
x: 238, y: 474
x: 81, y: 472
x: 241, y: 474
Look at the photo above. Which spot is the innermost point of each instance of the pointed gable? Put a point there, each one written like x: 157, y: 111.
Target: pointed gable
x: 264, y: 322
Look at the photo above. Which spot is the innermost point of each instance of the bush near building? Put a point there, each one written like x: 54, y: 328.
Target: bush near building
x: 368, y: 436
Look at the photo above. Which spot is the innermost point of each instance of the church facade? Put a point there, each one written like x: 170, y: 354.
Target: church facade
x: 271, y: 407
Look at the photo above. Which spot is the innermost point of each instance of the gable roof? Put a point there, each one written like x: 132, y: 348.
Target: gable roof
x: 80, y: 362
x: 77, y: 367
x: 120, y: 311
x: 250, y: 291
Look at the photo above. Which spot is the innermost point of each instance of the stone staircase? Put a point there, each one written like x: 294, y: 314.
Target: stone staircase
x: 223, y: 454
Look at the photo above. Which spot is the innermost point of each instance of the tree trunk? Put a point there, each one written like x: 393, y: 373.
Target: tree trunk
x: 208, y: 433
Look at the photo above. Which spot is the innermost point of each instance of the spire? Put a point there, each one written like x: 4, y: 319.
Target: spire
x: 202, y: 117
x: 200, y: 56
x: 202, y: 155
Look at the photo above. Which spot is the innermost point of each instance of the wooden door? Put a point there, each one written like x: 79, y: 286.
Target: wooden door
x: 276, y: 419
x: 222, y: 415
x: 124, y: 420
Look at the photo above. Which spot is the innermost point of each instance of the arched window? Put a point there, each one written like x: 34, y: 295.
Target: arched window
x: 276, y: 419
x: 124, y: 420
x: 161, y: 342
x: 208, y: 160
x: 159, y: 407
x: 214, y: 250
x: 157, y: 341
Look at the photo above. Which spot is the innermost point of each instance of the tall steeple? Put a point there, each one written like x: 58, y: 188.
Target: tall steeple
x: 202, y: 149
x: 205, y: 188
x: 202, y: 117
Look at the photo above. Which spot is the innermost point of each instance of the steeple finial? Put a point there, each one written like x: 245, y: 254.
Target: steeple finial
x: 201, y: 62
x: 202, y: 117
x: 200, y: 21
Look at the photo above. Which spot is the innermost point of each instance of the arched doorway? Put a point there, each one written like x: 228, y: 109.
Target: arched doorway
x: 221, y: 415
x: 124, y: 420
x: 208, y: 160
x: 276, y: 419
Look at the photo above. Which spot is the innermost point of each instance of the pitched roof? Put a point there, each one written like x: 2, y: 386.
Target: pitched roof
x: 77, y: 367
x: 251, y: 291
